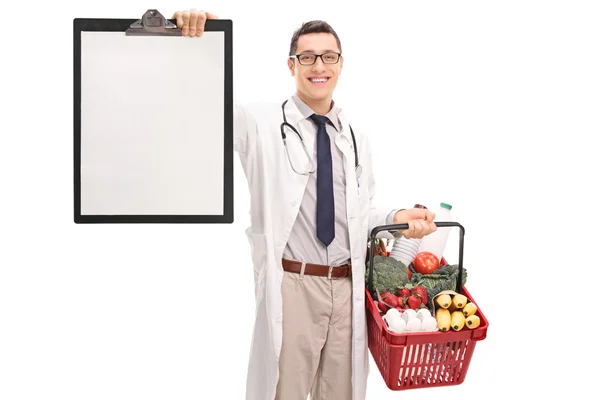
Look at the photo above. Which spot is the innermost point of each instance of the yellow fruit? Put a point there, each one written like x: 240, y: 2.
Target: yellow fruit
x: 453, y: 308
x: 472, y: 321
x: 457, y: 320
x: 469, y: 309
x: 459, y: 300
x: 444, y: 300
x: 442, y: 316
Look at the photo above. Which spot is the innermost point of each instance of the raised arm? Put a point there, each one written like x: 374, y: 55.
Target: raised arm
x: 192, y: 22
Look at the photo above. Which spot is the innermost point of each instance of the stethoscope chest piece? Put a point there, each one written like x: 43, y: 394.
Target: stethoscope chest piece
x: 358, y: 171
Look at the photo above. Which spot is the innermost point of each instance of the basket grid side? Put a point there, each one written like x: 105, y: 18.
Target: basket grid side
x: 427, y: 365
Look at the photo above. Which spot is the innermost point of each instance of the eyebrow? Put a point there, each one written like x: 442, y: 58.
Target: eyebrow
x: 314, y: 52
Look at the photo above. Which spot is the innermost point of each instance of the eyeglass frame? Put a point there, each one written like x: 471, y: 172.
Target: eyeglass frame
x: 295, y: 56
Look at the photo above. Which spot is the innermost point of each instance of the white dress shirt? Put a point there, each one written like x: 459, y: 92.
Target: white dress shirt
x: 303, y: 244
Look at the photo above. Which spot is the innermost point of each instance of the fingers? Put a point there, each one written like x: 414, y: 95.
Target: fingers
x: 192, y: 22
x: 410, y: 233
x: 429, y: 215
x: 420, y: 222
x: 200, y: 23
x: 179, y: 17
x: 185, y: 28
x: 407, y: 233
x: 418, y: 229
x: 432, y: 227
x: 429, y: 226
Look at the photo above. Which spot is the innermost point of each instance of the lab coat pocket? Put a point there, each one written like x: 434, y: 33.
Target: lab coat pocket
x: 259, y: 258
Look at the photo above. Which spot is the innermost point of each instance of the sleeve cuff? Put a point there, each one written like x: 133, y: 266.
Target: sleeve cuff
x: 390, y: 218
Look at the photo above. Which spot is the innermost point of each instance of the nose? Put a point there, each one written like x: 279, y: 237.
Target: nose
x: 318, y: 65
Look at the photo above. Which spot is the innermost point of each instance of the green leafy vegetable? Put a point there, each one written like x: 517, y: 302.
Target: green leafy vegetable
x: 389, y: 274
x: 442, y: 279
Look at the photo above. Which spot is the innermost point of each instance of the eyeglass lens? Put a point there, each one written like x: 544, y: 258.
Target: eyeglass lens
x: 328, y: 58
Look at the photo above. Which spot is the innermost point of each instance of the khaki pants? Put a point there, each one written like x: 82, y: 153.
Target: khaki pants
x: 316, y: 353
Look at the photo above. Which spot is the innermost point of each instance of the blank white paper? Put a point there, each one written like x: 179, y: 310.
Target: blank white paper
x: 152, y: 130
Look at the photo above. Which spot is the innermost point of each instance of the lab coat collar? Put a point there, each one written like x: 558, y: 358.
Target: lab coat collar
x: 295, y: 117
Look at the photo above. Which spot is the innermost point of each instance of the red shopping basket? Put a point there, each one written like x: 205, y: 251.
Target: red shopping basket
x: 421, y: 359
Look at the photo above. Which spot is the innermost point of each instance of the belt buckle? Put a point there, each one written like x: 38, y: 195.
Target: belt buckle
x: 329, y: 272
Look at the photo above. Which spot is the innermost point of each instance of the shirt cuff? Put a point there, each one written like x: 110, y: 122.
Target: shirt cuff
x: 390, y: 218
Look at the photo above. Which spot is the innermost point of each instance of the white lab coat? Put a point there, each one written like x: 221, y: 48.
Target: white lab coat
x: 275, y: 195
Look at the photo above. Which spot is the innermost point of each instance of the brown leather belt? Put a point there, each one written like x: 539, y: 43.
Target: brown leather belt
x: 330, y: 272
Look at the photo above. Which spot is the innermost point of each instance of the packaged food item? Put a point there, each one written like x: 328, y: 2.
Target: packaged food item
x: 405, y: 250
x: 436, y: 242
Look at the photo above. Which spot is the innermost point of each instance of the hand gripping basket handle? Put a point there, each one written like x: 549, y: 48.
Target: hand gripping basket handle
x: 399, y: 227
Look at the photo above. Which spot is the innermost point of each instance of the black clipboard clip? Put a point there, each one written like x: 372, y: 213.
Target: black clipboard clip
x: 153, y: 23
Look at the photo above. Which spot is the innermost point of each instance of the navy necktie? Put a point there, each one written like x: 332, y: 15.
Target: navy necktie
x: 325, y: 205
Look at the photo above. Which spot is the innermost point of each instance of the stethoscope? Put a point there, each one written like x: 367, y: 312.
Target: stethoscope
x: 357, y: 166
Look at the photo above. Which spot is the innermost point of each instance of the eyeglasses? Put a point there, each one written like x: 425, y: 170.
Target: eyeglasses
x: 310, y: 59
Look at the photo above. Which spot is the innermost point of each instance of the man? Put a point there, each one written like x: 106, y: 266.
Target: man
x: 311, y: 212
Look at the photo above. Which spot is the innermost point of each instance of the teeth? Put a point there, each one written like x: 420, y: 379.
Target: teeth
x: 318, y: 80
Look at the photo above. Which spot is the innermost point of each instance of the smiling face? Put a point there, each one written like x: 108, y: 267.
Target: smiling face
x: 315, y: 83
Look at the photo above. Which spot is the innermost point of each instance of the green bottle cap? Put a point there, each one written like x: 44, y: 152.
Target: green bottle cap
x: 445, y: 205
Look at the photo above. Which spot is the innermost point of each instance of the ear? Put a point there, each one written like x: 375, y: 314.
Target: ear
x: 341, y: 65
x: 291, y: 67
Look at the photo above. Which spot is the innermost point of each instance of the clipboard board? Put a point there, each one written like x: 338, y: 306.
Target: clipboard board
x: 153, y: 121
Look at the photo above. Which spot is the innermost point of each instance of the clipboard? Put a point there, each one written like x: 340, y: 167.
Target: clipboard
x: 153, y: 121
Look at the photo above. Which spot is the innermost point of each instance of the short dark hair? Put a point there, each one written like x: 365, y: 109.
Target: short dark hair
x: 312, y: 27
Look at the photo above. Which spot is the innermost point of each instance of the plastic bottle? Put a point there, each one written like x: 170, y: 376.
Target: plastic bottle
x: 403, y: 249
x: 436, y: 242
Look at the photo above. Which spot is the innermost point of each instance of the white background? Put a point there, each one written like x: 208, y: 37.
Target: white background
x: 490, y: 106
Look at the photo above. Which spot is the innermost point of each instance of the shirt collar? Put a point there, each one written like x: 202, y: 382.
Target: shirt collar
x: 306, y: 111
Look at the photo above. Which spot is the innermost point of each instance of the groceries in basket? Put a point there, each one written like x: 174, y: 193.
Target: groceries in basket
x: 408, y: 297
x: 393, y: 287
x: 454, y: 311
x: 444, y: 278
x: 410, y: 321
x: 389, y: 274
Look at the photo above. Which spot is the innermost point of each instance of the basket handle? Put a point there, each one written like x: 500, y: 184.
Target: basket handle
x: 400, y: 227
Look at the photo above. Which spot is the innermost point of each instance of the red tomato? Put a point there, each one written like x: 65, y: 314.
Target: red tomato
x: 426, y: 262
